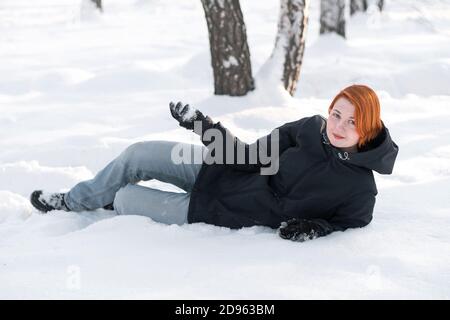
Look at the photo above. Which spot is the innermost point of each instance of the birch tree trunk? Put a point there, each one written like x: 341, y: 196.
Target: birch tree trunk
x: 332, y: 16
x: 290, y: 41
x: 358, y: 6
x: 98, y: 4
x: 230, y: 55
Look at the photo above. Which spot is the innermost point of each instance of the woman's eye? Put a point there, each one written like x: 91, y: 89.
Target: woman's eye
x: 336, y: 115
x: 351, y: 122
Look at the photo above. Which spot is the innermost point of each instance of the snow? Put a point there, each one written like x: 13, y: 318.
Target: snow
x: 231, y: 61
x: 190, y: 114
x: 76, y: 89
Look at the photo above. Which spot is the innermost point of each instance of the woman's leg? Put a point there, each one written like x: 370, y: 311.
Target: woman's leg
x: 161, y: 206
x: 139, y: 162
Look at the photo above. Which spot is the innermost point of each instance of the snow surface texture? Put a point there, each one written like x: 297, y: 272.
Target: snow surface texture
x: 76, y: 88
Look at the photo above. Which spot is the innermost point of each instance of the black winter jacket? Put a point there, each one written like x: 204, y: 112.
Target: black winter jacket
x: 315, y: 181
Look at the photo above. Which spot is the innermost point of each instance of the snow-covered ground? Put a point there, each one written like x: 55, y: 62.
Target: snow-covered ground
x: 76, y: 89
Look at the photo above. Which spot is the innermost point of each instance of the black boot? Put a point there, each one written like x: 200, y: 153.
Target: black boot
x: 48, y: 201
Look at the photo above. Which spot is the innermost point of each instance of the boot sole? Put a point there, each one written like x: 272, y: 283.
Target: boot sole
x: 34, y: 199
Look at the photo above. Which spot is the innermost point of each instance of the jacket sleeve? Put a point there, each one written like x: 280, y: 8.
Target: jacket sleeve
x: 247, y: 157
x: 355, y: 213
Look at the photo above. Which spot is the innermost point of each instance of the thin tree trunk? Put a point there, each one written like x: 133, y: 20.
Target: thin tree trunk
x: 98, y: 4
x: 290, y: 41
x: 358, y: 6
x: 230, y: 55
x: 380, y: 4
x: 332, y: 16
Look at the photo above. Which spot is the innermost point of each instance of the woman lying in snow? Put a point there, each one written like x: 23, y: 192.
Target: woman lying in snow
x: 324, y: 181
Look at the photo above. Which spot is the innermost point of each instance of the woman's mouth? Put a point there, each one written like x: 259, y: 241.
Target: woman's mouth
x: 337, y: 137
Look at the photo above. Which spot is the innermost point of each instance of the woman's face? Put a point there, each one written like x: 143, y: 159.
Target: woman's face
x: 341, y: 128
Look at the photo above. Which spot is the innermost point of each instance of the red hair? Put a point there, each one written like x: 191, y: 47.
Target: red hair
x: 367, y: 111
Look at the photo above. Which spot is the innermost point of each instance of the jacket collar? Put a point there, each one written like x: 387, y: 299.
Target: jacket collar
x: 378, y: 154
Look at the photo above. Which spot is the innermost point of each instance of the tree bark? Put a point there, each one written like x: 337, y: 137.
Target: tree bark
x: 230, y: 54
x: 358, y: 6
x: 380, y: 4
x: 332, y: 16
x: 290, y: 41
x: 98, y: 4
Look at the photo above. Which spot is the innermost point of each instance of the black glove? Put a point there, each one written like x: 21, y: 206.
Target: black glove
x: 185, y: 114
x: 300, y: 230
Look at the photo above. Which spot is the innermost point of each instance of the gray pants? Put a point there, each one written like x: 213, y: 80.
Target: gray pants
x: 142, y: 161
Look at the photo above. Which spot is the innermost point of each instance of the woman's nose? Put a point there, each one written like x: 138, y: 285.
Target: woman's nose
x: 340, y: 125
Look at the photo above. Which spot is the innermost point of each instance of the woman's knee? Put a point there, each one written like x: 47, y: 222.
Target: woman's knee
x: 145, y: 150
x: 132, y: 151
